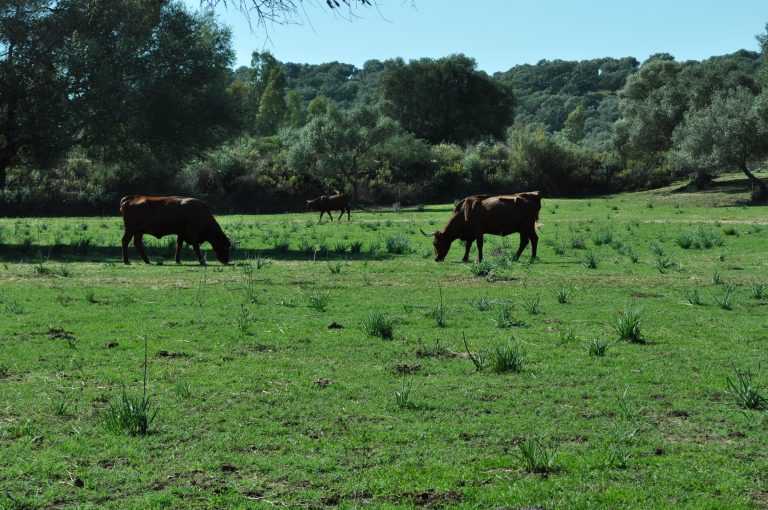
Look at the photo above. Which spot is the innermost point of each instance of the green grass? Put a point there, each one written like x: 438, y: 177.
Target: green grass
x: 287, y: 412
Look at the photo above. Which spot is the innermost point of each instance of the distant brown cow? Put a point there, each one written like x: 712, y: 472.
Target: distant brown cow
x: 499, y: 215
x: 188, y: 219
x: 327, y: 203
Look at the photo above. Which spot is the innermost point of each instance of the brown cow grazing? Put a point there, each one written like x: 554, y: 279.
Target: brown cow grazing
x: 327, y: 203
x: 188, y: 219
x: 490, y: 214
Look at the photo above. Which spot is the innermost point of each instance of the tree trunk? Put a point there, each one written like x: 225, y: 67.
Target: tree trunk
x: 759, y: 188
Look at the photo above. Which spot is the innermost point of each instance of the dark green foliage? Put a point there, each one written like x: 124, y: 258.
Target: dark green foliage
x: 446, y: 100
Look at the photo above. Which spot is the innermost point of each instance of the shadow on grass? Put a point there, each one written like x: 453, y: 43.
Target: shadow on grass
x: 33, y: 253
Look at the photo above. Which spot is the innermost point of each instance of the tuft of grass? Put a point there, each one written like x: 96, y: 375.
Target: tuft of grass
x: 507, y: 357
x: 61, y: 402
x: 567, y: 336
x: 335, y: 267
x: 597, y: 347
x: 627, y: 325
x: 602, y: 236
x: 131, y: 414
x: 664, y: 262
x: 717, y: 278
x: 746, y: 392
x: 578, y: 242
x: 504, y: 317
x: 281, y: 244
x: 657, y: 248
x: 693, y: 296
x: 484, y: 269
x: 183, y: 389
x: 563, y: 295
x: 730, y: 231
x: 591, y: 259
x: 629, y: 409
x: 536, y: 457
x: 404, y: 397
x: 356, y: 247
x: 685, y: 240
x: 727, y: 300
x: 478, y: 359
x: 378, y: 324
x: 243, y: 320
x: 482, y: 303
x: 439, y: 313
x: 532, y: 305
x: 758, y: 290
x: 397, y: 244
x: 90, y: 296
x: 318, y: 300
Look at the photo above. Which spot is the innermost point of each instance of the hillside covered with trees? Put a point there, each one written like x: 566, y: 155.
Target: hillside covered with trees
x: 99, y: 100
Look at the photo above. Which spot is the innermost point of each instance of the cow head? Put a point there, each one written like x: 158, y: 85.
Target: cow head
x: 221, y: 246
x: 441, y: 242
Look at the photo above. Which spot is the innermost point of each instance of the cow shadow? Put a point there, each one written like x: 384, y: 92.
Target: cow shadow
x: 37, y: 253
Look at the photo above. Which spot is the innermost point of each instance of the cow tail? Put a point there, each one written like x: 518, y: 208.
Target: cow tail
x: 123, y: 202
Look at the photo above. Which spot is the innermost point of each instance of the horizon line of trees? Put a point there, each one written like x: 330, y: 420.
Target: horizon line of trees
x: 103, y: 99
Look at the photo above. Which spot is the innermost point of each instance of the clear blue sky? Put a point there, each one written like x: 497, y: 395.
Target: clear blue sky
x: 499, y: 34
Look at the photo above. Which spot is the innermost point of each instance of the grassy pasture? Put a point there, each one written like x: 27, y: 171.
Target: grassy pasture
x: 259, y: 404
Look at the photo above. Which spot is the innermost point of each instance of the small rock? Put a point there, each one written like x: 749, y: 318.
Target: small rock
x: 335, y: 325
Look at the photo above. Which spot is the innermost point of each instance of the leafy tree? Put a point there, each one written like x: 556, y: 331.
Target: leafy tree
x: 446, y: 99
x: 116, y: 78
x: 338, y: 146
x: 317, y: 107
x: 575, y: 123
x: 293, y: 109
x: 272, y: 106
x: 728, y: 133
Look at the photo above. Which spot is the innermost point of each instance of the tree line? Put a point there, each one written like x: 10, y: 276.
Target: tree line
x: 103, y: 99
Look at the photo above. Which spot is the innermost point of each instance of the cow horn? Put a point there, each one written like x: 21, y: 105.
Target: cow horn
x: 425, y: 234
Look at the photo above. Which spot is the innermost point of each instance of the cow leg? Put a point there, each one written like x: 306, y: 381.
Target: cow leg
x: 523, y: 244
x: 468, y: 245
x: 126, y: 239
x: 480, y: 248
x: 137, y: 241
x: 200, y: 258
x: 179, y: 244
x: 321, y: 217
x: 534, y: 242
x: 348, y: 210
